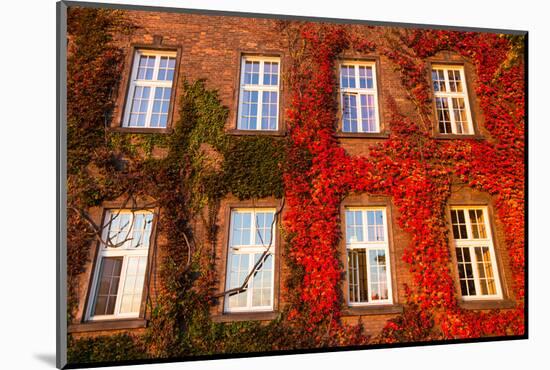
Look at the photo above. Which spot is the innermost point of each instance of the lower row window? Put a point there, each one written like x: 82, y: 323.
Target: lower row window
x: 475, y: 255
x: 251, y: 244
x: 367, y: 255
x: 118, y: 280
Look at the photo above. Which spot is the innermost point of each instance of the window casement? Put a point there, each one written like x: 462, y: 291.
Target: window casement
x: 451, y: 100
x: 368, y: 266
x: 475, y: 254
x: 359, y: 98
x: 150, y: 89
x: 259, y: 94
x: 117, y: 283
x: 252, y: 233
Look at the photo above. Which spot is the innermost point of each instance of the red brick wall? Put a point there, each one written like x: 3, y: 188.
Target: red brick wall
x: 211, y: 48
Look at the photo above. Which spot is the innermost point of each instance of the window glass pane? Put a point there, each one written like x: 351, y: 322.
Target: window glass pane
x: 478, y: 225
x: 368, y: 113
x: 251, y: 72
x: 365, y: 77
x: 357, y: 275
x: 166, y: 68
x: 485, y: 271
x: 146, y: 67
x: 461, y: 120
x: 459, y: 224
x: 261, y: 290
x: 347, y: 77
x: 271, y: 73
x: 264, y: 221
x: 161, y: 103
x: 249, y: 111
x: 133, y: 284
x: 377, y: 262
x: 238, y: 271
x: 375, y: 226
x: 107, y: 287
x: 443, y: 115
x: 140, y: 102
x: 454, y: 81
x: 241, y: 228
x: 350, y: 112
x: 438, y: 78
x: 354, y: 226
x: 465, y: 271
x: 269, y: 110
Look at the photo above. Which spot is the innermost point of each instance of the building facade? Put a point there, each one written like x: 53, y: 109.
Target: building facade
x: 343, y: 184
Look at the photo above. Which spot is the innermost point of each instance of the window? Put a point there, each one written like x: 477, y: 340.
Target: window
x: 259, y: 94
x: 368, y: 256
x: 358, y: 96
x: 148, y: 101
x: 451, y: 100
x: 251, y: 234
x: 475, y: 255
x: 121, y: 263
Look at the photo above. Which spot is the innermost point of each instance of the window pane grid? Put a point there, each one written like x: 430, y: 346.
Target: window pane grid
x: 452, y: 109
x: 107, y: 288
x: 118, y: 282
x: 251, y: 233
x: 358, y: 97
x: 368, y: 276
x: 161, y: 103
x: 259, y: 95
x: 474, y: 252
x: 150, y: 91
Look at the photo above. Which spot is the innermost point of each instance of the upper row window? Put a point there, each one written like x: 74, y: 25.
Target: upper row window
x: 152, y: 77
x: 451, y: 100
x: 150, y: 89
x: 259, y: 94
x: 358, y: 97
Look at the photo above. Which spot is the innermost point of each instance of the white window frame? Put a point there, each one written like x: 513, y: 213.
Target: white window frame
x: 471, y: 244
x: 449, y: 95
x: 260, y: 88
x: 153, y: 84
x: 358, y: 92
x: 251, y: 250
x: 367, y: 246
x: 125, y: 253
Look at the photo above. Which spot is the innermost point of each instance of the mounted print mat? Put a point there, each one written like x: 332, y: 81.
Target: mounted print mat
x: 256, y: 184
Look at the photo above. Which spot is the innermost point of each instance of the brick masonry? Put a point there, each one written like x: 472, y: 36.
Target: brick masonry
x: 210, y: 48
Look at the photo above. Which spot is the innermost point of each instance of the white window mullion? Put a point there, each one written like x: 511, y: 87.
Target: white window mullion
x: 387, y: 257
x: 369, y: 277
x: 121, y: 282
x: 152, y: 84
x: 250, y: 281
x: 475, y: 271
x: 451, y: 114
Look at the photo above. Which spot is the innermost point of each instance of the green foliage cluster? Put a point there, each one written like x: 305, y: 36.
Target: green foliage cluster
x: 201, y: 164
x: 119, y: 347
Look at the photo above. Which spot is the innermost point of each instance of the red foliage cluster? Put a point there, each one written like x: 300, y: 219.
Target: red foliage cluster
x: 413, y: 168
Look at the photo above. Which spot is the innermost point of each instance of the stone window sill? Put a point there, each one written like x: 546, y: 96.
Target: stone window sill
x: 373, y: 310
x: 245, y: 316
x: 237, y: 132
x: 140, y: 130
x: 487, y: 305
x: 361, y: 135
x: 458, y: 137
x: 107, y: 325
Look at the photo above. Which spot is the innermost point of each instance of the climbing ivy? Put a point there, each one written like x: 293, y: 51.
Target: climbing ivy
x: 190, y: 170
